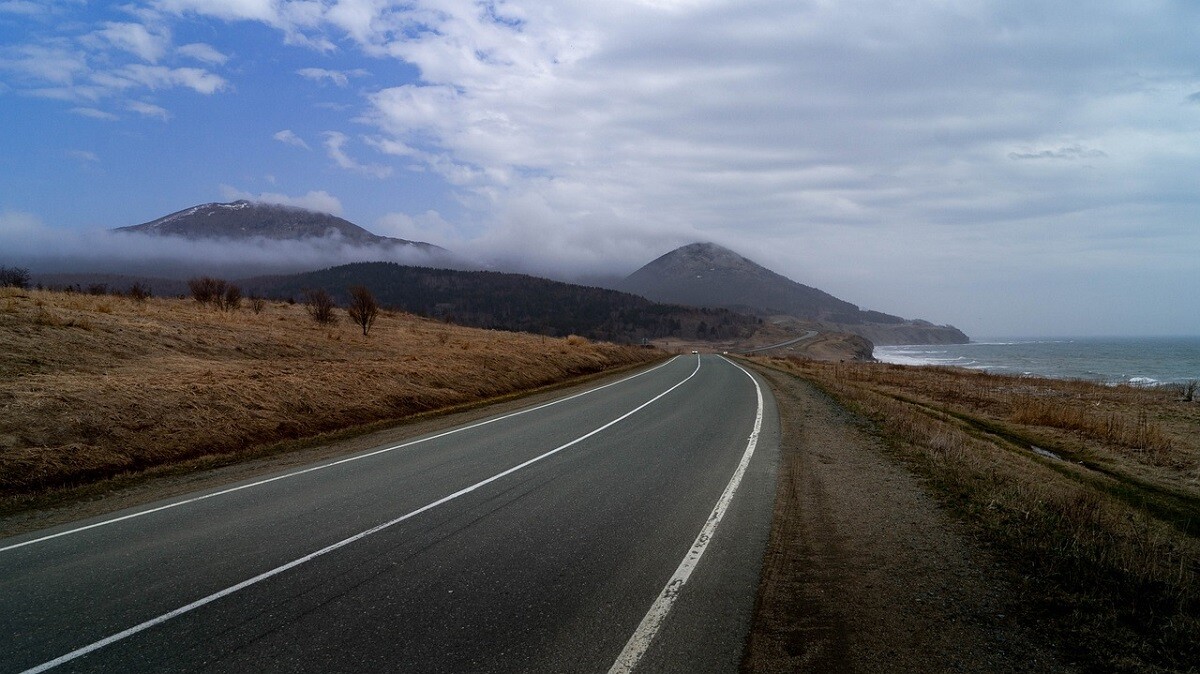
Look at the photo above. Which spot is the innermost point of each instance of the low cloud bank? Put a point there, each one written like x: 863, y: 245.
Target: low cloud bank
x: 26, y: 242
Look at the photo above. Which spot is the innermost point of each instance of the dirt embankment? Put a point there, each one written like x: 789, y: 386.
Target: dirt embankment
x: 865, y: 573
x: 836, y: 347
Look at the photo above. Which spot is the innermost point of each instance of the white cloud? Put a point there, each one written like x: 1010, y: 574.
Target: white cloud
x: 23, y: 7
x: 429, y: 227
x: 17, y: 225
x: 27, y: 242
x: 161, y: 77
x: 94, y: 113
x: 885, y: 152
x: 202, y: 52
x: 135, y: 38
x: 91, y: 62
x: 289, y: 137
x: 149, y: 110
x: 318, y: 200
x: 340, y: 78
x: 83, y: 155
x: 55, y: 63
x: 334, y: 142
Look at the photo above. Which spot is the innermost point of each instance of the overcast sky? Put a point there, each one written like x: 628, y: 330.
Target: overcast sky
x: 1012, y: 167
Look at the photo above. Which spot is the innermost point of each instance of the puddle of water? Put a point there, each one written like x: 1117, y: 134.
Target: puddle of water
x: 1046, y: 453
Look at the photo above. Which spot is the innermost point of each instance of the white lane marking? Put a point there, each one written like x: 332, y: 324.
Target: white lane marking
x: 639, y: 643
x: 340, y: 544
x: 339, y: 462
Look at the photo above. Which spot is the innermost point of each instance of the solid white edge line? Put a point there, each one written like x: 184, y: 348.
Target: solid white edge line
x: 640, y: 641
x: 340, y: 544
x: 323, y: 466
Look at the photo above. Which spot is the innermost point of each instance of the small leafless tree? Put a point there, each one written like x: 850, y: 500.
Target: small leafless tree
x: 363, y: 308
x: 1189, y: 390
x: 231, y: 299
x: 320, y: 305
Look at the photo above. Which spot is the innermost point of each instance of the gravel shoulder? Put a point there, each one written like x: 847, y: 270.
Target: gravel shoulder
x: 865, y: 572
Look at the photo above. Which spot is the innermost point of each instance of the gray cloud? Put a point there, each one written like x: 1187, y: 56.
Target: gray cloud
x: 1069, y: 152
x: 927, y: 158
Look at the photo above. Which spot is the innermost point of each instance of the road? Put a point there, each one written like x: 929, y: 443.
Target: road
x: 808, y: 335
x: 557, y: 538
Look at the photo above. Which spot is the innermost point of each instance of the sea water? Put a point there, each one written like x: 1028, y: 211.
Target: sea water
x: 1146, y: 361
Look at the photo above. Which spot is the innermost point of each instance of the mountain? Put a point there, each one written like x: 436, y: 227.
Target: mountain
x: 708, y: 275
x: 513, y: 302
x: 248, y: 220
x: 705, y: 274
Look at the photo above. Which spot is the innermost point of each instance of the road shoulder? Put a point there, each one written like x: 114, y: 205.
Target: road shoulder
x: 863, y: 570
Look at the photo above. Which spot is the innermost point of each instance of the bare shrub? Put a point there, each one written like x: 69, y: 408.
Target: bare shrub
x: 1188, y: 390
x: 257, y: 304
x: 97, y: 289
x: 576, y: 340
x: 139, y: 292
x: 206, y: 289
x: 363, y: 308
x: 231, y: 299
x: 14, y: 277
x: 320, y: 305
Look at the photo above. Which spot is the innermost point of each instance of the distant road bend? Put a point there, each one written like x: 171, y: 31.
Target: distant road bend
x: 808, y: 335
x: 616, y: 529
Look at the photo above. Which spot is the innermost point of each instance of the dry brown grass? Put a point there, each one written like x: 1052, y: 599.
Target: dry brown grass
x: 94, y: 386
x: 1091, y: 490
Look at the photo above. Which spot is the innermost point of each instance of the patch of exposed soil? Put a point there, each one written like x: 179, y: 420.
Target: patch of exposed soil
x: 864, y: 572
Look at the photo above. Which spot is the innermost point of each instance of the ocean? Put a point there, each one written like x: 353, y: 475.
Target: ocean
x: 1144, y: 361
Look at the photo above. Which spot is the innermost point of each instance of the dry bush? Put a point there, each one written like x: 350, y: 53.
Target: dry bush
x: 320, y: 305
x: 363, y: 308
x: 14, y: 277
x: 206, y: 289
x: 139, y: 292
x: 231, y: 299
x: 257, y: 304
x: 576, y: 340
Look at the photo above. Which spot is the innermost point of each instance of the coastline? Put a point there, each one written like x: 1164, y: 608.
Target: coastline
x: 1137, y: 361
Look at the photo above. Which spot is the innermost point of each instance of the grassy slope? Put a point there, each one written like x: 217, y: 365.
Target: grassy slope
x: 94, y: 386
x: 1108, y: 534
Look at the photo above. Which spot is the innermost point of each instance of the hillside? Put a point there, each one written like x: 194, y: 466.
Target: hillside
x: 514, y: 302
x: 95, y: 386
x: 708, y: 275
x: 248, y: 220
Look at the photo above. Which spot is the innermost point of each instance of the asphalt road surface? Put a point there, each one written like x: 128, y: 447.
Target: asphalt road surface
x: 555, y: 539
x: 808, y: 335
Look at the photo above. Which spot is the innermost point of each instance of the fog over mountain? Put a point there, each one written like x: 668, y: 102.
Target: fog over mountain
x: 235, y: 239
x: 247, y: 220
